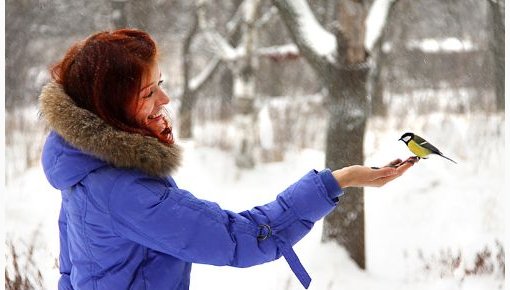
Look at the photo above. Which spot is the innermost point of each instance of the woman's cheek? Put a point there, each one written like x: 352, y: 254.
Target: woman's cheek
x: 142, y: 117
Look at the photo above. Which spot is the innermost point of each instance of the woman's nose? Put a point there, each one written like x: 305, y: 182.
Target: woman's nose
x: 163, y: 98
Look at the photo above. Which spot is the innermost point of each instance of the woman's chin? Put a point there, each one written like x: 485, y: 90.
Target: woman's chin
x: 162, y: 130
x: 167, y: 135
x: 169, y: 138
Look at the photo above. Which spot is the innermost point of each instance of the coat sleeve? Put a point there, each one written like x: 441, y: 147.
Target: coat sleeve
x: 151, y: 212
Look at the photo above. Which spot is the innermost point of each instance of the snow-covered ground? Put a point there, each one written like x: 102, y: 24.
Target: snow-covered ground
x: 415, y: 225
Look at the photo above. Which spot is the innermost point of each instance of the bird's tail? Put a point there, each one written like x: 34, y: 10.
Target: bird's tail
x: 447, y: 158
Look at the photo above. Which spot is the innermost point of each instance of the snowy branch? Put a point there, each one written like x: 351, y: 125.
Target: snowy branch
x: 223, y: 49
x: 236, y: 20
x: 228, y: 53
x: 194, y: 84
x: 376, y: 21
x: 317, y: 44
x: 266, y: 17
x: 198, y: 81
x: 279, y: 53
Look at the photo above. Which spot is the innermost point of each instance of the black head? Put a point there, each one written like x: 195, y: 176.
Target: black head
x: 406, y: 137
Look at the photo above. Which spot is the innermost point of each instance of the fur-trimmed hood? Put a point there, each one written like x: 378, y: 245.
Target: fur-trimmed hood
x: 91, y: 135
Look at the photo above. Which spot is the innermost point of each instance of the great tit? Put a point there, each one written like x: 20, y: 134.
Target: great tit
x: 420, y: 146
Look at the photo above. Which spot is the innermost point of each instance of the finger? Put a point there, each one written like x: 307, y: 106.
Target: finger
x: 394, y: 163
x: 404, y: 167
x: 384, y: 180
x: 412, y: 159
x: 399, y: 171
x: 382, y: 172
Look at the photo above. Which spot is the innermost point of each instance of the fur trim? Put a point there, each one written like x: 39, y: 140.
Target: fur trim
x: 89, y: 133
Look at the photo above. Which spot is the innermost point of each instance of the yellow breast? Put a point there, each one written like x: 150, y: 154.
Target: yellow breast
x: 418, y: 150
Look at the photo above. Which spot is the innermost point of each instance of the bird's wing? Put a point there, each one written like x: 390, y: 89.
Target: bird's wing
x: 426, y: 144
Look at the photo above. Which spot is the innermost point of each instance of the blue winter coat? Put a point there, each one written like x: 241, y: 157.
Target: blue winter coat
x: 122, y: 227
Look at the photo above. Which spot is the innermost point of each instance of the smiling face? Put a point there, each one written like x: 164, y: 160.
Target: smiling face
x: 148, y: 109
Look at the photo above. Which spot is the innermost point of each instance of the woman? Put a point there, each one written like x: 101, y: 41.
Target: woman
x: 124, y: 223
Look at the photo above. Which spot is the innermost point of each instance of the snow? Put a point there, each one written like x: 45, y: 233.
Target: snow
x: 436, y: 207
x: 449, y: 44
x: 375, y: 21
x: 224, y: 49
x: 319, y: 39
x: 286, y: 49
x: 197, y: 81
x: 265, y: 128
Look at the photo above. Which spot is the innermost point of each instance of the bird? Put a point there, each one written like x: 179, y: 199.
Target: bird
x: 421, y: 147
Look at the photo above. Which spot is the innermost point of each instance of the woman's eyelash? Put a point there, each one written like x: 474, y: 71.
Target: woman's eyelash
x: 152, y: 92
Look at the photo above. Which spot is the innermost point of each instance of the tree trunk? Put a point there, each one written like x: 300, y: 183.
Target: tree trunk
x: 188, y: 95
x: 376, y: 82
x: 346, y: 80
x: 227, y: 77
x: 348, y: 111
x: 227, y: 91
x: 119, y: 17
x: 496, y: 21
x: 244, y: 90
x: 185, y: 116
x: 344, y: 147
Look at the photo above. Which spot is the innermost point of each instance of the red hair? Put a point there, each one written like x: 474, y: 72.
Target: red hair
x: 103, y: 74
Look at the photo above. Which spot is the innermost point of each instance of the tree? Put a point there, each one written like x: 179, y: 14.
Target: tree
x: 244, y: 87
x: 188, y: 95
x: 341, y: 61
x: 119, y: 17
x: 191, y: 87
x: 496, y: 23
x: 379, y: 60
x: 243, y: 60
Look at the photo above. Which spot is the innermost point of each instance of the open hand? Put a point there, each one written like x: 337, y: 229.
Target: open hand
x: 359, y: 176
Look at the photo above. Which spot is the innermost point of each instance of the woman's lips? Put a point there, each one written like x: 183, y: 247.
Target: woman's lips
x: 152, y: 118
x: 159, y: 124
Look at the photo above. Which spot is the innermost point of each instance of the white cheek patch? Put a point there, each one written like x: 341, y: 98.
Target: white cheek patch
x: 407, y: 138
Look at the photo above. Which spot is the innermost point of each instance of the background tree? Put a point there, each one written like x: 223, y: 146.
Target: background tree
x: 119, y: 17
x: 450, y: 52
x: 496, y: 24
x: 379, y: 60
x: 340, y: 60
x: 192, y: 86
